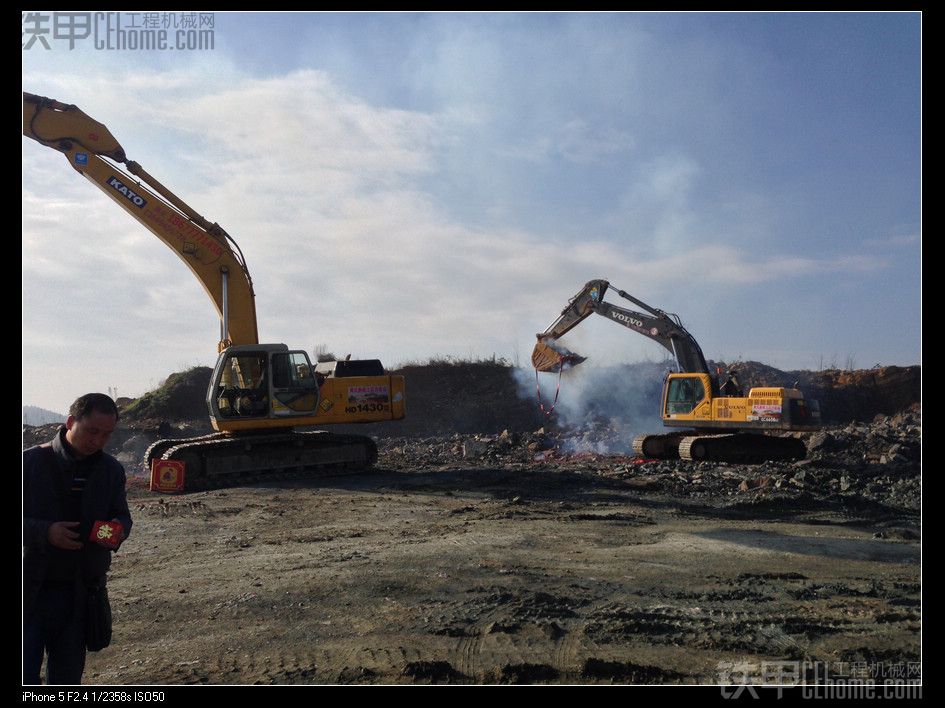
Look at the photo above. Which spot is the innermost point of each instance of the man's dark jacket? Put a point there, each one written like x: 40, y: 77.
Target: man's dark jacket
x: 47, y: 478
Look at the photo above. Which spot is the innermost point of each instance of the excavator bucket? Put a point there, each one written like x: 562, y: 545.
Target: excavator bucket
x: 548, y: 357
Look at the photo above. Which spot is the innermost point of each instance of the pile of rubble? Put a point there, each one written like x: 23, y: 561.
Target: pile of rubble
x: 876, y: 464
x: 880, y: 462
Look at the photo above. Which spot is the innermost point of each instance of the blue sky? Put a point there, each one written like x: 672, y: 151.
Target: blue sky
x: 411, y: 185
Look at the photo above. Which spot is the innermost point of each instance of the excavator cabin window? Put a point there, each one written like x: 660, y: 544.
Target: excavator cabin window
x: 684, y: 395
x: 244, y: 387
x: 294, y: 387
x: 260, y: 385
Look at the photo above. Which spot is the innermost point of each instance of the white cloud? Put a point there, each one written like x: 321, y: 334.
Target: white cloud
x: 725, y: 265
x: 574, y: 141
x: 895, y: 241
x: 322, y: 191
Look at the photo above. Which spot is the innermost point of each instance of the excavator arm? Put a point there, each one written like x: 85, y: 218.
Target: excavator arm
x: 210, y: 253
x: 548, y: 355
x: 660, y: 326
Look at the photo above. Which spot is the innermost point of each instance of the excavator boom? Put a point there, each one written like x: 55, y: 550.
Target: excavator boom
x: 207, y: 250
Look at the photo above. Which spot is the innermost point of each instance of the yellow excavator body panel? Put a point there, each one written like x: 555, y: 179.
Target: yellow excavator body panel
x: 362, y: 399
x: 688, y: 401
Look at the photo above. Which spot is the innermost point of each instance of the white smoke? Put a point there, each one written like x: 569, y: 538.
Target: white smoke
x: 599, y: 409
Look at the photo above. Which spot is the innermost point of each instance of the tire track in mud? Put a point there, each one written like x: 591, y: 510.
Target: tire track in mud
x: 356, y: 664
x: 508, y: 636
x: 393, y: 661
x: 352, y: 663
x: 365, y: 659
x: 568, y: 649
x: 218, y: 668
x: 782, y: 631
x: 515, y: 631
x: 577, y: 647
x: 469, y: 648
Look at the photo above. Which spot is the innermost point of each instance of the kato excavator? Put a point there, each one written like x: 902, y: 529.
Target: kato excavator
x: 259, y: 393
x: 721, y: 423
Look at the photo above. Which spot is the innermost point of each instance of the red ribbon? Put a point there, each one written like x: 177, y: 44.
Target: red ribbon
x: 541, y: 406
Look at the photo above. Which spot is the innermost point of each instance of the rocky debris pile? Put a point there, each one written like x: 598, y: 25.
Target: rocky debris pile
x: 861, y: 394
x: 39, y: 434
x: 599, y: 438
x: 880, y: 461
x: 888, y: 440
x: 477, y: 449
x: 875, y: 464
x: 130, y: 440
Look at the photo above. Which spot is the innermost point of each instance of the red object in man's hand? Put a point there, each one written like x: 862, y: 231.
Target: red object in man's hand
x: 107, y: 533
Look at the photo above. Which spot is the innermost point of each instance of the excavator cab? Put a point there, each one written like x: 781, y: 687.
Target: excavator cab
x: 683, y: 393
x: 262, y: 381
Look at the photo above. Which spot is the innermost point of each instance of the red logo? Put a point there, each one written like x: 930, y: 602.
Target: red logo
x: 167, y: 476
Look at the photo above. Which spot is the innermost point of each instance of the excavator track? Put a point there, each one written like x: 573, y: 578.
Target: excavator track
x: 158, y: 448
x: 219, y: 461
x: 664, y: 446
x: 746, y: 448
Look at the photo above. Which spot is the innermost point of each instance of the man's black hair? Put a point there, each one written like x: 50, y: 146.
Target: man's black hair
x: 93, y: 403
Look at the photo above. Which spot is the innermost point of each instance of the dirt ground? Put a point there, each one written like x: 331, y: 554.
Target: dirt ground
x: 534, y: 572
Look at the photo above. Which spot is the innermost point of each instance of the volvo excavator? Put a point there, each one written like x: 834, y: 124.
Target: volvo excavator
x: 259, y: 393
x: 721, y: 423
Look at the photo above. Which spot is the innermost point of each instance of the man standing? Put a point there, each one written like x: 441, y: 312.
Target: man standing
x: 68, y: 485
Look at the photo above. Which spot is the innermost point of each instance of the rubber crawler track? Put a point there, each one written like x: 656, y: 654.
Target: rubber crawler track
x: 748, y: 448
x: 218, y: 461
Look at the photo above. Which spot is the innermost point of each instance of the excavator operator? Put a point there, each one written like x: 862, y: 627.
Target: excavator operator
x: 245, y: 387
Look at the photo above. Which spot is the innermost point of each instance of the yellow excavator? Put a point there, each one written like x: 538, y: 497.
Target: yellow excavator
x: 722, y: 423
x: 259, y: 393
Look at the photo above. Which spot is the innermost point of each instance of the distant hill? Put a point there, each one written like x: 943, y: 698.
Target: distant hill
x: 34, y: 415
x: 182, y: 396
x: 447, y: 396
